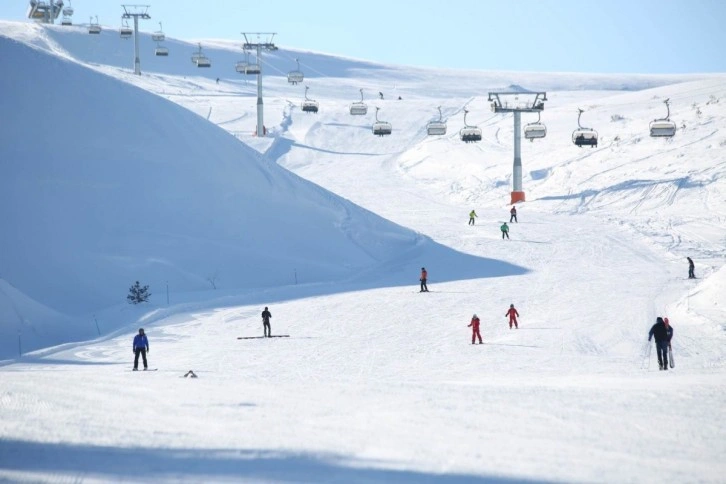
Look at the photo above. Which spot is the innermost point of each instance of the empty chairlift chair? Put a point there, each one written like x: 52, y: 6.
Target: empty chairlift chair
x: 293, y: 77
x: 359, y: 108
x: 381, y: 128
x: 533, y: 131
x: 125, y: 31
x: 159, y: 35
x: 436, y: 128
x: 200, y: 59
x: 663, y: 128
x: 469, y: 134
x: 309, y: 105
x: 161, y: 51
x: 94, y: 27
x: 584, y: 136
x: 68, y: 11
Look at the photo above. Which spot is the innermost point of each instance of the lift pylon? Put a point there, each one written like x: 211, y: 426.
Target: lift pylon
x: 264, y: 42
x: 136, y: 12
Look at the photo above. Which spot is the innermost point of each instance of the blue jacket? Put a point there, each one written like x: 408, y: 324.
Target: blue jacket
x: 140, y: 341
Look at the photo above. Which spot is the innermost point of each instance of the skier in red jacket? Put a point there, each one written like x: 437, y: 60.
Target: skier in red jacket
x: 513, y: 314
x: 474, y: 325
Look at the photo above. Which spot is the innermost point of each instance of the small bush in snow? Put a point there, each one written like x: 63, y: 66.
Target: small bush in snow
x: 138, y: 294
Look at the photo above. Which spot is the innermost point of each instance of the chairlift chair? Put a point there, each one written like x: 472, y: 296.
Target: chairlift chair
x: 309, y: 105
x: 584, y: 136
x: 161, y: 51
x: 533, y: 131
x: 68, y: 11
x: 359, y: 108
x: 293, y: 77
x: 252, y: 69
x: 200, y: 59
x: 381, y: 128
x: 663, y: 128
x: 159, y: 35
x: 436, y: 128
x: 241, y: 66
x: 125, y: 31
x: 66, y: 20
x: 469, y: 134
x: 94, y: 28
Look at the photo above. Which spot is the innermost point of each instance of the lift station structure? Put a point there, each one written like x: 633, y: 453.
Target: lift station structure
x: 46, y: 12
x: 136, y: 12
x: 259, y: 46
x: 517, y: 103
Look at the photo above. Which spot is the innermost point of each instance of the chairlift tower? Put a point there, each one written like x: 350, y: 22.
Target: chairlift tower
x: 45, y: 12
x: 259, y: 46
x: 521, y: 102
x: 136, y: 12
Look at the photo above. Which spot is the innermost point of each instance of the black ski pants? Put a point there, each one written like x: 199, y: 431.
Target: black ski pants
x: 471, y: 220
x: 505, y: 234
x: 661, y: 348
x: 266, y: 327
x: 513, y: 217
x: 691, y: 275
x: 424, y: 287
x: 137, y: 352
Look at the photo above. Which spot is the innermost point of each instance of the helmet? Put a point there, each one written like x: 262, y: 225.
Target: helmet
x: 474, y: 317
x: 511, y: 305
x: 141, y: 330
x: 423, y: 268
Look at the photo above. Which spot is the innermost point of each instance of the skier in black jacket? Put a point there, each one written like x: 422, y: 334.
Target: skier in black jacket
x: 266, y: 315
x: 663, y: 333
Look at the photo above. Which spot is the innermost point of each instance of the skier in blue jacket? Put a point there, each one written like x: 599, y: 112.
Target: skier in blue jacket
x: 141, y: 347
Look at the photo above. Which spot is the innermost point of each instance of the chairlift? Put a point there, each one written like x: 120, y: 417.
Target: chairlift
x: 469, y: 134
x: 94, y: 28
x: 533, y: 131
x: 381, y: 128
x: 66, y: 20
x: 663, y: 128
x: 68, y: 11
x: 200, y: 59
x: 359, y: 108
x: 125, y: 31
x: 309, y: 105
x: 159, y: 35
x: 293, y: 77
x: 584, y: 136
x: 436, y: 128
x: 161, y: 51
x: 241, y: 66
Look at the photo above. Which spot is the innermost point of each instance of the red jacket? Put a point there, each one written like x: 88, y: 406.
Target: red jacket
x: 512, y: 313
x: 474, y: 325
x: 423, y: 275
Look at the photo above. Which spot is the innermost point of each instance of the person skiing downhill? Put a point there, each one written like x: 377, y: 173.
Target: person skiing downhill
x: 141, y: 347
x: 505, y: 230
x: 474, y: 325
x: 513, y: 214
x: 691, y: 268
x: 424, y: 276
x: 512, y: 313
x: 472, y: 216
x: 266, y: 315
x: 663, y: 333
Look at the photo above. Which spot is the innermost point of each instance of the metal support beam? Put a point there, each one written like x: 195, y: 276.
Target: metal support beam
x: 259, y: 47
x: 137, y: 60
x: 517, y: 169
x: 136, y: 12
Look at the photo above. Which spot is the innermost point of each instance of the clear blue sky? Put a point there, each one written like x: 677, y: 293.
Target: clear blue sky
x: 610, y: 36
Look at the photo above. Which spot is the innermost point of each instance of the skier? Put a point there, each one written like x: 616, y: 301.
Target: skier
x: 472, y: 216
x: 218, y: 80
x: 513, y: 314
x: 266, y: 315
x: 513, y: 214
x: 380, y: 94
x: 424, y: 276
x: 691, y: 267
x: 663, y: 333
x: 141, y: 347
x: 505, y: 230
x: 474, y: 325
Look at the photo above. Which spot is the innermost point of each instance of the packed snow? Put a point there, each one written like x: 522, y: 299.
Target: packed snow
x: 109, y: 178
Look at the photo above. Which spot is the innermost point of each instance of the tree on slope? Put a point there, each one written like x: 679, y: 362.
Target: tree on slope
x: 138, y: 294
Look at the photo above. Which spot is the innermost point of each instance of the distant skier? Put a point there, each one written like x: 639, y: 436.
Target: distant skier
x: 513, y: 214
x: 691, y: 268
x: 505, y: 230
x: 218, y: 80
x: 380, y: 94
x: 424, y: 276
x: 266, y: 328
x: 663, y: 333
x: 474, y: 325
x: 472, y: 216
x: 141, y: 347
x: 513, y: 314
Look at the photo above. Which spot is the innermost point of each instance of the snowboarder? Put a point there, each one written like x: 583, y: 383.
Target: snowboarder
x: 513, y: 214
x: 266, y: 315
x: 691, y: 268
x: 474, y: 325
x: 505, y: 230
x: 141, y: 347
x: 513, y: 314
x: 472, y: 216
x: 424, y: 276
x: 663, y: 333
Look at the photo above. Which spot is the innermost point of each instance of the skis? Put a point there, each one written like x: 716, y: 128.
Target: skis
x: 262, y: 337
x: 671, y: 363
x: 141, y: 371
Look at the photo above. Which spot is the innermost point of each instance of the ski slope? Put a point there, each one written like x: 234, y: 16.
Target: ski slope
x: 377, y: 382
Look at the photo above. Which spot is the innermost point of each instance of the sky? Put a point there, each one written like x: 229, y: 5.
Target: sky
x: 617, y: 36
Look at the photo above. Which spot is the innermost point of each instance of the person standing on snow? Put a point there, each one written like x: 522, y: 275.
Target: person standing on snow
x: 513, y: 314
x: 505, y: 230
x: 424, y: 276
x: 266, y: 315
x: 663, y: 333
x: 474, y: 325
x: 513, y: 214
x: 691, y: 268
x: 472, y: 216
x: 141, y: 347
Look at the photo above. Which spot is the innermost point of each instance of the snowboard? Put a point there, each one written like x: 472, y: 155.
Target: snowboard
x: 263, y: 337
